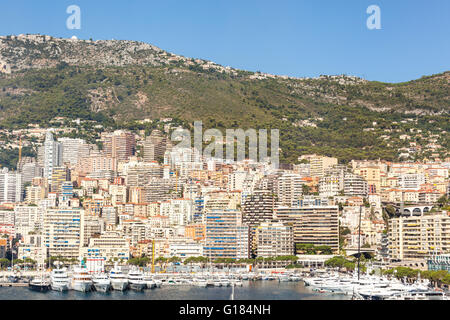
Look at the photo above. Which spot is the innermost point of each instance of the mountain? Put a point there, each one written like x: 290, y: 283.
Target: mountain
x: 116, y: 82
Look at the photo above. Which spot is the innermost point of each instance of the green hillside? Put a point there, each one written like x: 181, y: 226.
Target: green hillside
x: 328, y: 115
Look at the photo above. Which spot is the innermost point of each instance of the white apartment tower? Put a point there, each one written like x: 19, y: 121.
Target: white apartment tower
x: 11, y: 186
x: 53, y: 155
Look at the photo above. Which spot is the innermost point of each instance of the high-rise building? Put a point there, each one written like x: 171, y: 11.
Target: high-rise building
x: 28, y: 219
x: 274, y: 239
x: 31, y: 170
x: 63, y: 232
x: 11, y: 186
x: 256, y: 209
x: 96, y: 163
x: 109, y: 215
x: 119, y: 144
x: 139, y: 175
x: 66, y: 190
x: 226, y: 237
x: 109, y: 246
x: 317, y: 225
x: 73, y: 150
x: 93, y: 227
x: 59, y: 176
x: 155, y: 146
x: 418, y: 237
x: 159, y: 190
x: 355, y: 185
x: 53, y: 155
x: 289, y: 189
x: 319, y: 164
x: 372, y: 174
x: 179, y: 211
x: 35, y: 193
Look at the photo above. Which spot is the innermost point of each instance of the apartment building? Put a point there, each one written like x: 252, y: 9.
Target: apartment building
x: 120, y: 144
x: 355, y: 185
x: 274, y: 239
x: 52, y: 154
x: 28, y: 219
x: 226, y: 237
x: 418, y: 237
x: 110, y: 246
x: 11, y: 186
x: 63, y: 232
x: 317, y: 225
x: 319, y: 164
x: 289, y: 189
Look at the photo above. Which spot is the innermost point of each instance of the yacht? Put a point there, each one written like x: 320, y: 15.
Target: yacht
x: 225, y: 282
x: 295, y: 278
x: 236, y: 282
x: 118, y: 280
x: 81, y: 280
x: 200, y: 283
x: 60, y: 280
x: 419, y: 295
x: 39, y: 284
x: 136, y: 280
x: 217, y: 283
x: 158, y: 283
x: 101, y: 282
x: 283, y: 278
x: 149, y: 282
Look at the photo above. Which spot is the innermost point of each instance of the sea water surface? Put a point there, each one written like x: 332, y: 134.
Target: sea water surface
x: 251, y: 290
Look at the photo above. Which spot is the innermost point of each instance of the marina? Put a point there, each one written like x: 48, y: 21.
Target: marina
x: 320, y: 284
x: 251, y: 290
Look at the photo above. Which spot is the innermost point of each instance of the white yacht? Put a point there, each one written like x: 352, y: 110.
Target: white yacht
x: 158, y: 283
x: 225, y: 282
x: 236, y: 282
x: 101, y: 282
x: 60, y: 280
x: 283, y: 278
x: 149, y: 282
x: 419, y: 295
x: 136, y: 280
x: 81, y: 280
x: 199, y: 282
x: 39, y: 284
x: 217, y: 283
x: 118, y: 279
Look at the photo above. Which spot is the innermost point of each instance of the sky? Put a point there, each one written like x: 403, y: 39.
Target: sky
x: 299, y: 38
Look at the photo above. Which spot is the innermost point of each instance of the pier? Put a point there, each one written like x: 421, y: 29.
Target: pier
x: 13, y: 284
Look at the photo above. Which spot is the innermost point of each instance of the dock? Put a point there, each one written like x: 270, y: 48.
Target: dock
x: 13, y: 284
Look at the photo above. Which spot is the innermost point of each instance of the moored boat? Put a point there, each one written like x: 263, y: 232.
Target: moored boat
x: 136, y: 280
x: 81, y: 280
x: 60, y: 280
x: 101, y: 282
x: 118, y: 279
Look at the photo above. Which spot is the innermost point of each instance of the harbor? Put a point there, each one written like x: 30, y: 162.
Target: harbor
x: 136, y: 283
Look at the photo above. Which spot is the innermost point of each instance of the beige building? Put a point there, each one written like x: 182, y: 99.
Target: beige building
x: 63, y: 232
x: 110, y: 246
x: 319, y: 164
x: 317, y: 225
x: 274, y: 239
x: 419, y: 237
x: 372, y: 174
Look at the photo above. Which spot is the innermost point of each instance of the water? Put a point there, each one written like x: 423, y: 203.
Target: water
x: 251, y: 290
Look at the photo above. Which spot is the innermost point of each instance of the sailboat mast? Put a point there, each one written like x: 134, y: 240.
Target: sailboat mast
x: 359, y: 240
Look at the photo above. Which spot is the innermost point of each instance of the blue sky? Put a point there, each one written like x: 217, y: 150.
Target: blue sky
x: 302, y: 38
